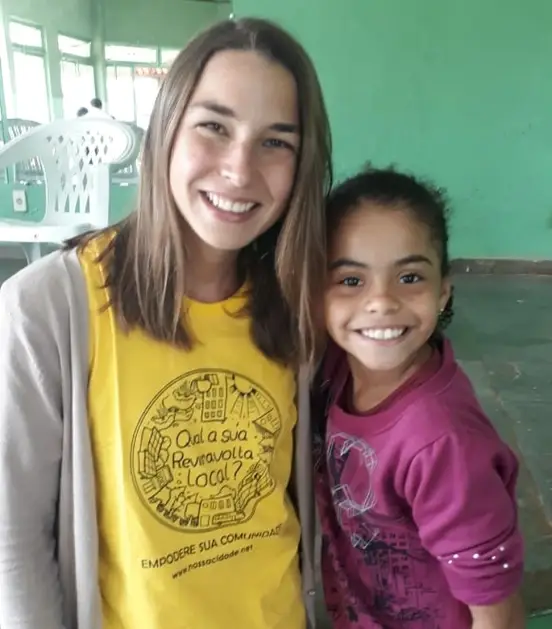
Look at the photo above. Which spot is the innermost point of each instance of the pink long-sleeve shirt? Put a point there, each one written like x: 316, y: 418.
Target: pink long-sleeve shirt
x: 417, y: 504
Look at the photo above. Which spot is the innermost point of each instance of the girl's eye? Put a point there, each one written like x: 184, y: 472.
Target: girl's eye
x: 352, y: 282
x: 410, y: 278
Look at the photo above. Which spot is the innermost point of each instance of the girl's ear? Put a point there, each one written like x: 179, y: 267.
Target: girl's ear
x: 446, y: 291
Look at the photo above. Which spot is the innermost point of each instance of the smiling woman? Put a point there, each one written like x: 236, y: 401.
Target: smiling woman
x: 154, y: 376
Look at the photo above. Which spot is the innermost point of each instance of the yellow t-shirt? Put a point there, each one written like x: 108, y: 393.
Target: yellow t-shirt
x: 192, y: 455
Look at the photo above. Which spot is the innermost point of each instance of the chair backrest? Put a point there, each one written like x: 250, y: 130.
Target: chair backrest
x: 20, y: 126
x: 31, y: 169
x: 76, y: 156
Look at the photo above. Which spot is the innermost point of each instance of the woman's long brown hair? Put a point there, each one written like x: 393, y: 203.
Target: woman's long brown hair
x: 285, y: 267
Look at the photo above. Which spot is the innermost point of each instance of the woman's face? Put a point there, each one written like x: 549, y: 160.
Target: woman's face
x: 235, y: 154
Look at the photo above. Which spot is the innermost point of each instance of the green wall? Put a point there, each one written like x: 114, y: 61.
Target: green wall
x: 458, y: 91
x: 165, y: 23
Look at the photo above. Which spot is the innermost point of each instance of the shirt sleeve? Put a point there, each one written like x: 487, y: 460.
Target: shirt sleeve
x: 462, y: 494
x: 30, y: 454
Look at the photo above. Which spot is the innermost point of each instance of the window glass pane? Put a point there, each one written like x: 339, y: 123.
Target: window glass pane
x: 146, y: 89
x: 120, y: 93
x: 31, y: 92
x: 73, y: 46
x: 77, y: 84
x: 168, y: 55
x: 130, y: 54
x: 25, y: 35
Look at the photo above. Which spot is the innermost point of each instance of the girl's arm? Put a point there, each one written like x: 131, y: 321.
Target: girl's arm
x: 508, y: 614
x: 30, y: 456
x: 461, y: 489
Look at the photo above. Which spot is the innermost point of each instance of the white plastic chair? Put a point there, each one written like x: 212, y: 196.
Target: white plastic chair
x: 76, y: 156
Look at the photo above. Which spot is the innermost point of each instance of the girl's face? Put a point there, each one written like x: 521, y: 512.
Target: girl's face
x: 385, y: 289
x: 234, y: 158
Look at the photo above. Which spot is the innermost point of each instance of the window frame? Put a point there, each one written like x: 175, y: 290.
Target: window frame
x: 67, y: 56
x: 136, y: 65
x: 26, y: 47
x: 75, y: 59
x: 32, y: 51
x: 111, y: 61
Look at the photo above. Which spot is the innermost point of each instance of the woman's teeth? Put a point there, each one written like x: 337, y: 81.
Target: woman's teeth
x: 227, y: 205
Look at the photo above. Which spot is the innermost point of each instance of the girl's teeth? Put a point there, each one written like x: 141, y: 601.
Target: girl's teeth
x: 383, y: 334
x: 226, y: 205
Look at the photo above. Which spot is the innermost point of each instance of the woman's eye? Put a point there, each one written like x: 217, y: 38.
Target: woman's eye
x: 216, y: 127
x: 410, y: 278
x: 278, y: 144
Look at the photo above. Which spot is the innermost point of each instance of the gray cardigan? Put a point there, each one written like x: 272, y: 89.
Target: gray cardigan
x: 48, y: 524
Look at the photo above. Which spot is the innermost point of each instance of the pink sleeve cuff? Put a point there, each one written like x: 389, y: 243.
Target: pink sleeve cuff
x: 486, y: 576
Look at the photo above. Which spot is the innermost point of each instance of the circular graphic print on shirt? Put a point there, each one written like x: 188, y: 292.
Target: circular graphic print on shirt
x: 201, y: 453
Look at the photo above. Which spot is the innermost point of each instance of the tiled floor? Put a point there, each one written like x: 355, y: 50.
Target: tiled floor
x: 502, y: 334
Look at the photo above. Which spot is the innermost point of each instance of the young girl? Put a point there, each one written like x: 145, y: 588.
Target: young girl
x: 416, y: 490
x: 147, y: 373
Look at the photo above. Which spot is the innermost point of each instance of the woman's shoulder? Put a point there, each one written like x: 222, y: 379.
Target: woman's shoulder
x: 45, y: 288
